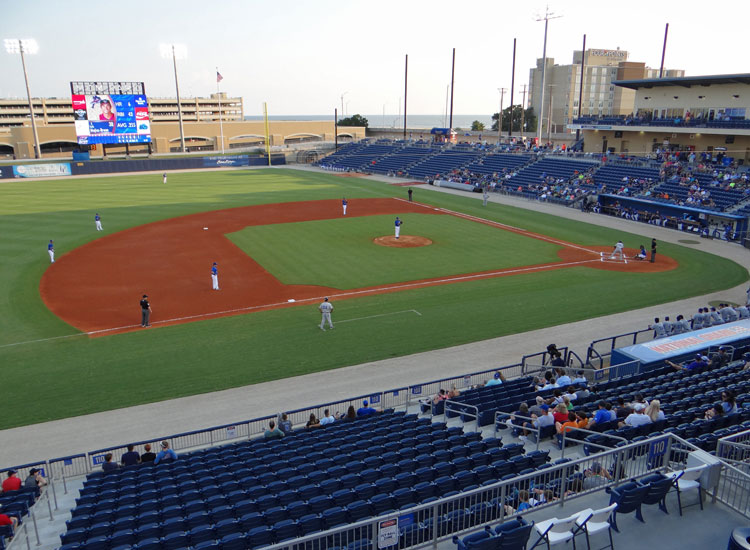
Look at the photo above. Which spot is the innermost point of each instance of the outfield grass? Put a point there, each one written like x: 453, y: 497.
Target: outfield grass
x: 50, y: 379
x: 341, y: 254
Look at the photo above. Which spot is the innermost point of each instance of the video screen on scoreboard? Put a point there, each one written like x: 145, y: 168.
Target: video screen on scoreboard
x: 111, y: 118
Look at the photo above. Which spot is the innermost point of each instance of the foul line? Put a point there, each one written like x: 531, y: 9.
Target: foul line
x: 379, y: 315
x: 525, y: 232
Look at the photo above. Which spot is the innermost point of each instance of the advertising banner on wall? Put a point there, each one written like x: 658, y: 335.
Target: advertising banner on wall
x: 226, y: 161
x: 41, y: 170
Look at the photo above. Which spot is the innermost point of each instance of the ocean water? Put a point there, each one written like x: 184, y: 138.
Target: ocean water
x: 395, y: 121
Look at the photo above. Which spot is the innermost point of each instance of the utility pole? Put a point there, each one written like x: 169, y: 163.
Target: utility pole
x: 500, y: 115
x: 546, y: 18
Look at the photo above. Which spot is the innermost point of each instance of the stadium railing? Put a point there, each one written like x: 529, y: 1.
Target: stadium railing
x: 442, y: 518
x: 600, y: 350
x: 735, y: 449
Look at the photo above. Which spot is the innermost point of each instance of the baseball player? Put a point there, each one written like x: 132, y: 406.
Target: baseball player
x: 145, y: 311
x: 343, y: 205
x: 398, y: 224
x: 325, y: 308
x: 658, y: 329
x: 98, y: 221
x: 485, y: 197
x: 51, y: 251
x: 215, y: 276
x: 164, y: 178
x: 617, y: 251
x: 641, y: 254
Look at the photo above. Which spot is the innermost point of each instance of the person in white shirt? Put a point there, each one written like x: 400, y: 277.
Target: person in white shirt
x: 325, y: 309
x: 327, y: 418
x: 637, y: 417
x: 617, y: 251
x: 580, y: 378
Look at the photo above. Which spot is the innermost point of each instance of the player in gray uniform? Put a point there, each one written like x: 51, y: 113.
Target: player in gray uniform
x: 698, y: 319
x: 743, y: 312
x: 728, y: 314
x: 325, y: 308
x: 668, y: 326
x: 715, y: 317
x: 658, y: 329
x: 681, y: 326
x: 617, y: 251
x: 485, y: 196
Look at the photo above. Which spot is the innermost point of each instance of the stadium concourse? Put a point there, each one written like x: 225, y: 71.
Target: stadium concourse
x: 111, y: 428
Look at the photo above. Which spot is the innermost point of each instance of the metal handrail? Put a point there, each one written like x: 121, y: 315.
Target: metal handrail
x: 462, y: 409
x: 583, y: 441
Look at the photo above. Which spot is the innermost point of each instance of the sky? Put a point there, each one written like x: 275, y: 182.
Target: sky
x: 301, y: 56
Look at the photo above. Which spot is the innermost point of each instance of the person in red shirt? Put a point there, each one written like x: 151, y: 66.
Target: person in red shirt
x: 12, y: 483
x: 5, y: 519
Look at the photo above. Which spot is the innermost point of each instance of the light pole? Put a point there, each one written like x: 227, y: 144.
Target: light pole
x: 22, y: 46
x: 500, y: 116
x: 343, y: 114
x: 176, y: 51
x: 546, y: 18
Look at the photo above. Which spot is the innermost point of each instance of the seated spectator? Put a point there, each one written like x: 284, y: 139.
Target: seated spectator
x: 570, y: 424
x: 622, y: 410
x: 601, y: 415
x: 351, y: 414
x: 6, y: 519
x: 537, y: 407
x: 273, y: 432
x: 538, y: 421
x: 313, y: 422
x: 512, y: 423
x: 716, y: 411
x: 166, y: 454
x: 327, y: 418
x: 453, y: 393
x: 697, y: 363
x: 364, y: 410
x: 131, y: 458
x: 582, y: 393
x: 557, y: 397
x: 567, y: 403
x: 541, y: 496
x: 560, y: 413
x: 523, y: 501
x: 439, y: 396
x: 34, y: 479
x: 637, y: 417
x: 719, y: 359
x: 653, y: 411
x: 12, y: 482
x: 285, y: 425
x: 728, y: 402
x: 147, y: 456
x: 570, y: 393
x: 563, y: 379
x: 582, y: 417
x: 580, y: 378
x: 108, y: 465
x: 638, y: 399
x: 596, y: 476
x: 496, y: 380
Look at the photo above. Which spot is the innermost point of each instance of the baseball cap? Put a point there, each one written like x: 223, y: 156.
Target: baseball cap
x: 164, y: 444
x: 33, y: 471
x: 497, y: 375
x: 365, y: 403
x: 11, y: 472
x: 545, y: 407
x: 698, y: 356
x: 639, y: 406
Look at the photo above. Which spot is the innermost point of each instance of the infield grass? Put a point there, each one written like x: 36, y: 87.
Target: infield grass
x: 51, y: 378
x: 341, y: 253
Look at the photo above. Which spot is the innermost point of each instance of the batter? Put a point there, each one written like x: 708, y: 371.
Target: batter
x: 617, y: 251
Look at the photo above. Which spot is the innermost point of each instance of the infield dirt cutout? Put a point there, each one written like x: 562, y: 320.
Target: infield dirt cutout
x: 96, y: 287
x: 404, y: 241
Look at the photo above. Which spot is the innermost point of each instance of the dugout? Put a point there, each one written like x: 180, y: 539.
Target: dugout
x: 684, y: 346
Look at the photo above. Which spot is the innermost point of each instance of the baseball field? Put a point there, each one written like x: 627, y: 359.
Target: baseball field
x: 70, y: 339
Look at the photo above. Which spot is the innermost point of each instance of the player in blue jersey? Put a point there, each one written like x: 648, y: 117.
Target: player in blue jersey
x: 98, y: 222
x: 215, y: 276
x: 344, y: 204
x: 51, y: 251
x: 398, y: 223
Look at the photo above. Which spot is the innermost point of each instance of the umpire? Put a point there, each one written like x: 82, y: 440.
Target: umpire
x: 145, y: 311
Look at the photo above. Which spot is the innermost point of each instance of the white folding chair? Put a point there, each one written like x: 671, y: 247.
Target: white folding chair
x: 689, y: 478
x: 592, y: 522
x: 555, y: 531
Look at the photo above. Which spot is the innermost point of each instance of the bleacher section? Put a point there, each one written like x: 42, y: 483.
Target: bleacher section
x: 550, y: 167
x: 612, y: 176
x: 724, y: 199
x: 277, y: 490
x: 360, y: 156
x: 444, y: 162
x: 401, y: 161
x: 496, y: 163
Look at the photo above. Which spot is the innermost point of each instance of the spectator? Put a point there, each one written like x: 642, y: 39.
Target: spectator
x: 582, y: 417
x: 523, y: 501
x: 351, y: 414
x: 697, y: 363
x: 273, y: 432
x: 166, y: 454
x: 108, y: 465
x: 12, y: 482
x: 719, y: 359
x: 439, y: 396
x: 563, y: 379
x: 313, y: 422
x: 5, y: 519
x: 523, y: 411
x: 653, y: 411
x: 327, y: 418
x: 364, y: 410
x: 560, y: 413
x: 538, y: 421
x: 537, y: 408
x: 622, y: 411
x: 131, y: 458
x: 717, y: 411
x: 596, y: 476
x: 568, y: 425
x: 285, y: 425
x: 582, y: 393
x: 496, y: 380
x: 602, y: 414
x: 580, y: 378
x: 637, y: 417
x: 34, y: 479
x: 728, y: 402
x: 453, y: 393
x: 147, y: 456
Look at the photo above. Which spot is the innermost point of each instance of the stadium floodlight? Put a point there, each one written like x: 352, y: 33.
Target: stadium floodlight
x: 176, y: 51
x: 23, y: 46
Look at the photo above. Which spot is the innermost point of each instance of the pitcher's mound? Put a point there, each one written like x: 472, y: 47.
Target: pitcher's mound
x: 404, y: 241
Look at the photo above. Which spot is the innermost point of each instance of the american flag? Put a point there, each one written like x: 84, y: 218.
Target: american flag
x: 219, y: 78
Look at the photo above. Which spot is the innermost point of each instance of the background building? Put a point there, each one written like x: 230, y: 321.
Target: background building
x: 600, y: 96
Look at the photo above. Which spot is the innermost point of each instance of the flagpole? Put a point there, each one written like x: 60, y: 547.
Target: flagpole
x: 221, y: 124
x: 268, y: 136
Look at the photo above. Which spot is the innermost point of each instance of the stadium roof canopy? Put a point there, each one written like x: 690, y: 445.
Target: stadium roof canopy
x: 685, y: 81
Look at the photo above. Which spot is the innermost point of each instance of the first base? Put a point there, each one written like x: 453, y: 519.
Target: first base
x: 291, y: 300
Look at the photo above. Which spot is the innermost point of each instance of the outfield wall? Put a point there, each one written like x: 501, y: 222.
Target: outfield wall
x: 61, y: 169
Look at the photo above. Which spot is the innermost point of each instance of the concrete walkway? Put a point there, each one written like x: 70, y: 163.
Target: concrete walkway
x: 112, y: 428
